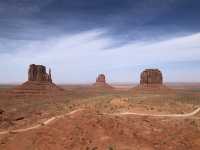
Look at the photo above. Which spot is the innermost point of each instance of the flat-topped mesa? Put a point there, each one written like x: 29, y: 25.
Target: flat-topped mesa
x: 151, y: 81
x: 151, y: 77
x: 38, y: 73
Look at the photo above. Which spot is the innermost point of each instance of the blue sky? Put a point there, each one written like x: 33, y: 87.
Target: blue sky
x: 79, y: 39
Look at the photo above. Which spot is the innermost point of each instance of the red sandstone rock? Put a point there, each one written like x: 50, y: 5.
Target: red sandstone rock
x: 151, y: 77
x: 39, y: 84
x: 101, y: 82
x: 101, y: 78
x: 151, y: 81
x: 38, y: 73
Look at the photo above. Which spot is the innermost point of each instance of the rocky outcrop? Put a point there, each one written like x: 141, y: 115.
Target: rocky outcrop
x: 38, y: 73
x: 151, y: 81
x: 101, y: 82
x: 151, y: 77
x: 101, y: 79
x: 39, y: 84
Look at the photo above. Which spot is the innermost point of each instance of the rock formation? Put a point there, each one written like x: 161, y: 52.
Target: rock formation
x: 38, y: 73
x: 151, y: 80
x: 151, y: 77
x: 101, y: 82
x: 101, y: 79
x: 39, y: 83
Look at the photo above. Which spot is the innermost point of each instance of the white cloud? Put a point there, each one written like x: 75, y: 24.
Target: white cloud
x: 80, y: 57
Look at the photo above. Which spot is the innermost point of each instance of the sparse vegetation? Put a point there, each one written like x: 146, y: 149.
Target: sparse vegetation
x: 34, y: 109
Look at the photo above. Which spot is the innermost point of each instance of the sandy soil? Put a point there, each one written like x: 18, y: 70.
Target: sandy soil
x: 95, y: 128
x: 91, y: 130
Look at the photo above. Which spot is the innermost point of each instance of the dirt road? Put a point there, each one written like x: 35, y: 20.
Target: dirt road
x: 114, y: 114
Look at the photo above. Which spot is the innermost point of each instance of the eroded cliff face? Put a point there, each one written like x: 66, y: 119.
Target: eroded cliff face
x: 38, y: 73
x: 151, y: 77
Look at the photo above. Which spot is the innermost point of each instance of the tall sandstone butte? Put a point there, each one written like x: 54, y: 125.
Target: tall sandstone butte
x: 39, y: 84
x: 151, y: 77
x: 38, y: 73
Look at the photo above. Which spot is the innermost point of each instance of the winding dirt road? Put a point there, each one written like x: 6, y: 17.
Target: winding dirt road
x: 163, y: 115
x: 114, y: 114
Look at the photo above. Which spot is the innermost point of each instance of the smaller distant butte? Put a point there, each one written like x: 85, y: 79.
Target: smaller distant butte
x: 101, y: 82
x: 101, y: 79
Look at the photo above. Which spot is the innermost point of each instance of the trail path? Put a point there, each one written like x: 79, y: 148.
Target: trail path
x: 114, y: 114
x: 154, y: 115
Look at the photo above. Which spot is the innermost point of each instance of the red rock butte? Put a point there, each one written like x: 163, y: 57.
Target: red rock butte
x: 101, y: 79
x: 39, y: 83
x: 151, y: 80
x: 101, y: 82
x: 151, y: 77
x: 38, y: 73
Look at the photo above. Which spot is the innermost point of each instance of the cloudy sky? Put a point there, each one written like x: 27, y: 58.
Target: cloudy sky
x: 79, y: 39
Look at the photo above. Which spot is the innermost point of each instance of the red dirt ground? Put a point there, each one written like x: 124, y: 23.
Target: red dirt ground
x: 90, y: 130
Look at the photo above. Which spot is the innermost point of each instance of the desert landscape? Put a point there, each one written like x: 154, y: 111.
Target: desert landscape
x: 39, y: 114
x: 99, y: 75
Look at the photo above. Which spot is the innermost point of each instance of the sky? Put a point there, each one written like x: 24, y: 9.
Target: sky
x: 79, y: 39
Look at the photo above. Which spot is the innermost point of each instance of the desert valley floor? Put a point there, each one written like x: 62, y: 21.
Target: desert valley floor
x: 81, y: 117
